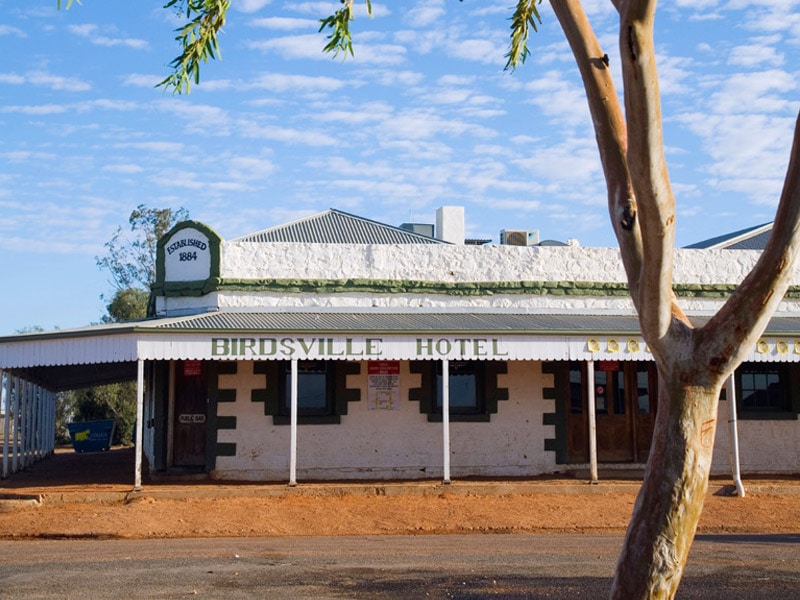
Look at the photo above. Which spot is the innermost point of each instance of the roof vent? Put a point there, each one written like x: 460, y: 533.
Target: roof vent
x: 420, y: 228
x: 519, y: 237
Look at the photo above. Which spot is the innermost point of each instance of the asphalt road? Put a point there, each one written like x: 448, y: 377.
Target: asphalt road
x: 728, y: 567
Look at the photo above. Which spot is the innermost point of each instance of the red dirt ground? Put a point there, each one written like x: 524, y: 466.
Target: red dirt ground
x: 84, y: 497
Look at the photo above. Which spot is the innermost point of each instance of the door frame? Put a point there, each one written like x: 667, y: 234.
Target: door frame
x: 172, y: 417
x: 638, y: 424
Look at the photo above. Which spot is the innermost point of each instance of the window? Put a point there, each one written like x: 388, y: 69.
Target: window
x: 764, y: 390
x: 314, y: 389
x: 322, y: 390
x: 645, y: 388
x: 466, y: 388
x: 474, y: 392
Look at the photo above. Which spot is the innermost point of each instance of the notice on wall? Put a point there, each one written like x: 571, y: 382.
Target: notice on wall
x: 383, y: 387
x: 192, y: 368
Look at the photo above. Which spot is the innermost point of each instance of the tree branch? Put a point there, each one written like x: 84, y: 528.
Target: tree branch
x: 658, y: 313
x: 735, y: 329
x: 199, y: 39
x: 610, y: 133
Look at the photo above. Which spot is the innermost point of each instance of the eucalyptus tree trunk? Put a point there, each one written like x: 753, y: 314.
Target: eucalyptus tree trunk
x: 692, y: 362
x: 670, y: 500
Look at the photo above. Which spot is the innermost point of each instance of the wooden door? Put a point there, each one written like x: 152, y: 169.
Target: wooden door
x: 644, y: 380
x: 625, y: 407
x: 613, y: 414
x: 577, y: 421
x: 191, y: 408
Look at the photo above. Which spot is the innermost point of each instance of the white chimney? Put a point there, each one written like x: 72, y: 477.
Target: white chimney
x: 450, y: 224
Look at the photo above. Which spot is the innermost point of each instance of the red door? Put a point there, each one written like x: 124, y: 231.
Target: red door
x: 191, y: 407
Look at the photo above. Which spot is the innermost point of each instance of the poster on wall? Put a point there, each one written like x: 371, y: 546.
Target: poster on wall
x: 383, y: 387
x: 192, y: 368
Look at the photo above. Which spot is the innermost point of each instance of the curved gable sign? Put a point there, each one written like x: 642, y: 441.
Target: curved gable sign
x: 189, y: 253
x: 187, y: 256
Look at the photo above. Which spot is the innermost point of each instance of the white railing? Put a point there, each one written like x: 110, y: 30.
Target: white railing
x: 28, y: 426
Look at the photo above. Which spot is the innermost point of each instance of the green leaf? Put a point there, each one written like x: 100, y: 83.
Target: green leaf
x: 526, y: 17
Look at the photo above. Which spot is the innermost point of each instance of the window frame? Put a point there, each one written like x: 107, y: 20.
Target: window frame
x: 284, y: 406
x: 788, y: 395
x: 479, y: 374
x: 488, y: 390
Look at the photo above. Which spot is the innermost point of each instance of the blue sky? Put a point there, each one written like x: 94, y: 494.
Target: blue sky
x: 423, y: 116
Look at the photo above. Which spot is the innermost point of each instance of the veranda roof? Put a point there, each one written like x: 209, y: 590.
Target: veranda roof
x: 69, y: 359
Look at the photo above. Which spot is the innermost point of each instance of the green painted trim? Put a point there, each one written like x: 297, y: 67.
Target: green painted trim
x: 211, y: 373
x: 227, y: 367
x: 226, y: 396
x: 557, y: 393
x: 226, y: 449
x: 469, y: 288
x: 226, y: 423
x: 188, y: 288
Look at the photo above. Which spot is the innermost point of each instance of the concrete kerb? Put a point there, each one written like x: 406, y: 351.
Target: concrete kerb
x: 10, y: 501
x: 316, y: 490
x: 381, y: 489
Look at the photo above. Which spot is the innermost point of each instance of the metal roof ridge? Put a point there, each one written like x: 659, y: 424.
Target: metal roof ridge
x: 242, y: 238
x: 319, y: 216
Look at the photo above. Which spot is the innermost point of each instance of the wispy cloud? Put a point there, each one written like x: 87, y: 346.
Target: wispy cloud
x: 760, y: 51
x: 90, y: 32
x: 251, y: 6
x: 45, y: 79
x: 285, y: 23
x: 15, y: 31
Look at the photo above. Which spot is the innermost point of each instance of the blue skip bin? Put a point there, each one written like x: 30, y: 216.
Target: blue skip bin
x: 92, y: 436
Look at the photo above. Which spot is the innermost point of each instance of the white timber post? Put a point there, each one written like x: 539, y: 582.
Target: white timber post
x: 293, y: 423
x: 6, y: 381
x: 37, y: 422
x: 446, y: 420
x: 26, y: 423
x: 734, y: 447
x: 137, y: 476
x: 592, y: 407
x: 171, y: 414
x: 21, y: 422
x: 15, y: 441
x: 53, y: 405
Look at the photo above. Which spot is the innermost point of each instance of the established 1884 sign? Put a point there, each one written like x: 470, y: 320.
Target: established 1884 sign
x: 187, y: 256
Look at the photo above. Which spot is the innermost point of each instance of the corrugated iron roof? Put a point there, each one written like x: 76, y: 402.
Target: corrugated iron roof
x: 335, y: 322
x: 68, y: 359
x: 419, y: 322
x: 337, y: 227
x: 383, y: 322
x: 751, y: 238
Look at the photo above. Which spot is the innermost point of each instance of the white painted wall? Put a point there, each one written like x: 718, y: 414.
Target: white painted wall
x: 765, y: 446
x: 402, y: 444
x: 424, y: 262
x: 397, y: 444
x: 452, y: 263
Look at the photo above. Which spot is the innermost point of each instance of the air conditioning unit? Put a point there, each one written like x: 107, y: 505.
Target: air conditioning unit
x: 519, y: 237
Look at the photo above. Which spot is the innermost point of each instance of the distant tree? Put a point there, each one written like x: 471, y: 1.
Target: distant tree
x: 126, y: 305
x: 113, y: 401
x: 130, y: 258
